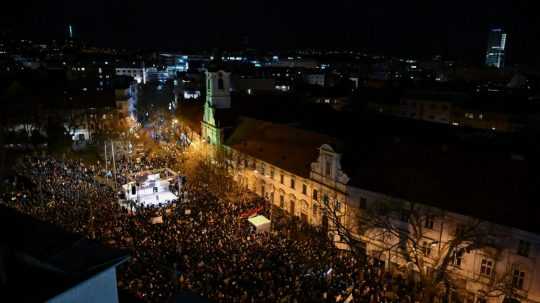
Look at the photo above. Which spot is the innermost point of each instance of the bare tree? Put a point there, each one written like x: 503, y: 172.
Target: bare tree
x: 498, y: 281
x: 422, y: 242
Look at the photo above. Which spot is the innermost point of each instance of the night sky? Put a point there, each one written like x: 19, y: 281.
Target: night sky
x: 456, y: 29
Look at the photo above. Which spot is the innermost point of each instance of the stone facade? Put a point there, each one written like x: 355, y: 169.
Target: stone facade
x: 516, y: 252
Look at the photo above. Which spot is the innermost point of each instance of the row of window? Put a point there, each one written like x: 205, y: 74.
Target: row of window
x: 486, y: 265
x: 292, y: 182
x: 315, y: 207
x: 518, y: 274
x: 432, y: 106
x: 128, y: 70
x: 523, y: 249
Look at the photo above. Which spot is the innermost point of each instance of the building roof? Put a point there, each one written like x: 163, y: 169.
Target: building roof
x: 225, y: 117
x: 420, y: 162
x: 289, y: 148
x: 484, y: 185
x: 42, y: 261
x: 467, y: 179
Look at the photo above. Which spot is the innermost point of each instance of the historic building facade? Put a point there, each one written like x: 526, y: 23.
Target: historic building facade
x: 300, y: 171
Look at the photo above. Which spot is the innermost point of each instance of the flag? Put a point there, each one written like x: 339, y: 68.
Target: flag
x: 251, y: 212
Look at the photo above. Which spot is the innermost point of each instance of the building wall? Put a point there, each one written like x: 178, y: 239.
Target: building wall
x: 504, y: 258
x: 447, y: 113
x: 218, y: 89
x: 432, y: 111
x: 101, y: 288
x: 315, y: 79
x: 481, y: 119
x: 305, y: 201
x: 306, y: 198
x: 138, y: 73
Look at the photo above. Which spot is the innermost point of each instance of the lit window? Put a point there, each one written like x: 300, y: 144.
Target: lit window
x: 518, y: 277
x: 457, y: 258
x: 486, y: 267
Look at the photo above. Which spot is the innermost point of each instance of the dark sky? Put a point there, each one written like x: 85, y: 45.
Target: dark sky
x: 456, y: 29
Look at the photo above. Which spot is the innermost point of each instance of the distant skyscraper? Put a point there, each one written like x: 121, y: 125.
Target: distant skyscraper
x: 70, y: 29
x: 496, y: 46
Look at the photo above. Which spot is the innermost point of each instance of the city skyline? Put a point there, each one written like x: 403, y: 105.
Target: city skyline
x: 457, y: 31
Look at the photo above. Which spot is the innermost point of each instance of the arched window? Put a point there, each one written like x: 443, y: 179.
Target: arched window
x: 220, y: 84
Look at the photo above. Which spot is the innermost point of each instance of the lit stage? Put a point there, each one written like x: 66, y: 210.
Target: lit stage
x: 152, y: 187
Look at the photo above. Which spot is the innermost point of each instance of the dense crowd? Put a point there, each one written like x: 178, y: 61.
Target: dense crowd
x: 203, y: 246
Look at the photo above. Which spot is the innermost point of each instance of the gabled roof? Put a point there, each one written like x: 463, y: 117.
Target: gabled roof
x: 284, y: 146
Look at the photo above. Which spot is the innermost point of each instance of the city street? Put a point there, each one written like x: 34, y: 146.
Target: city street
x: 204, y: 245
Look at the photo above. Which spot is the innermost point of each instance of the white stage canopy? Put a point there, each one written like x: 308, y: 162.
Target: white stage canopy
x: 261, y: 223
x: 151, y: 187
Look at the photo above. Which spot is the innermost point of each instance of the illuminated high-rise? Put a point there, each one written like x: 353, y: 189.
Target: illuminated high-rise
x: 496, y: 47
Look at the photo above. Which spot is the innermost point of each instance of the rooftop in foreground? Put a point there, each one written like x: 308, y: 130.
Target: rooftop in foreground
x: 41, y: 261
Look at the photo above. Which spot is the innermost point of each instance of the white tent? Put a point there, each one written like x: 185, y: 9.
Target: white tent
x: 261, y: 223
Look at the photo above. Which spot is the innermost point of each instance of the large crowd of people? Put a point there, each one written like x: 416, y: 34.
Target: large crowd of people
x: 204, y: 244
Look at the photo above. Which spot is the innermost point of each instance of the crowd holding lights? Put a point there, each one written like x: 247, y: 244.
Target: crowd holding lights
x: 204, y: 245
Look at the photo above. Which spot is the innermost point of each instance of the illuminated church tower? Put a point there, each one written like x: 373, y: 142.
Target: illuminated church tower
x: 218, y: 98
